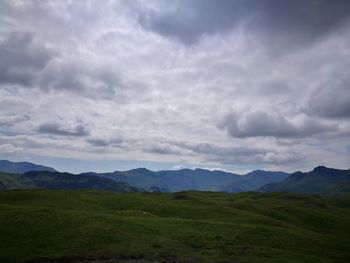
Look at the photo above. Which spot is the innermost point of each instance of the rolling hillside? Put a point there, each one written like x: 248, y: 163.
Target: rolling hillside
x: 100, y: 227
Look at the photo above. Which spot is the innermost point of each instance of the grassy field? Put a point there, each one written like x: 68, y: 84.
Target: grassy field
x: 97, y: 226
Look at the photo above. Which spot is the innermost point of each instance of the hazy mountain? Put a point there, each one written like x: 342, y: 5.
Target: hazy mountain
x: 21, y: 167
x: 322, y: 180
x: 198, y: 179
x: 254, y: 180
x: 29, y: 175
x: 56, y: 180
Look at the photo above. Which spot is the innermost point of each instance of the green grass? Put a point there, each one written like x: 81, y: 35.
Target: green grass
x: 185, y: 227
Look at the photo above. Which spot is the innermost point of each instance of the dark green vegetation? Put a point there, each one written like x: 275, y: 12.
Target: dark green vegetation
x: 69, y: 226
x: 22, y: 167
x: 198, y: 179
x: 322, y: 181
x: 56, y: 180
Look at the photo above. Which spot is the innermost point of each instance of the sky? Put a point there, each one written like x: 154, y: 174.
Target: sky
x: 233, y: 85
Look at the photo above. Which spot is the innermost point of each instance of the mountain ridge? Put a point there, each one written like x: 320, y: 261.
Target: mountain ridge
x: 22, y: 167
x: 321, y: 180
x: 56, y: 180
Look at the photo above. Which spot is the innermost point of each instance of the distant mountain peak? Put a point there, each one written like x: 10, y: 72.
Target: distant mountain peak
x: 321, y: 168
x: 22, y: 167
x: 141, y: 170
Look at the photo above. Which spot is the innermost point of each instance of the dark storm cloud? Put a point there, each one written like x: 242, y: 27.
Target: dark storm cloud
x: 188, y: 20
x: 287, y: 22
x: 268, y: 124
x: 21, y: 58
x: 55, y: 129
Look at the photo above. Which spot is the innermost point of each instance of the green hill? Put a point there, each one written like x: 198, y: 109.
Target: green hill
x: 95, y: 226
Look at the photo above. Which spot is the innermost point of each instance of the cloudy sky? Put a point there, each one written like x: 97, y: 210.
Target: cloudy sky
x: 231, y: 84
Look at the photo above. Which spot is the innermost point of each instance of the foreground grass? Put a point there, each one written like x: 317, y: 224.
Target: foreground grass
x: 79, y: 226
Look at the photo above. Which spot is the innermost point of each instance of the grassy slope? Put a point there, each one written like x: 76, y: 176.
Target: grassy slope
x: 190, y: 227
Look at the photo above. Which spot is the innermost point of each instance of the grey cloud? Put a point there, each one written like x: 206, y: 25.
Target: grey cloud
x: 243, y: 155
x: 22, y: 58
x: 98, y: 142
x: 289, y: 22
x: 209, y: 149
x: 168, y: 148
x: 9, y: 120
x: 268, y: 124
x: 205, y: 148
x: 163, y: 150
x: 87, y: 79
x: 269, y: 157
x: 55, y: 129
x: 189, y: 20
x: 105, y: 142
x: 332, y: 101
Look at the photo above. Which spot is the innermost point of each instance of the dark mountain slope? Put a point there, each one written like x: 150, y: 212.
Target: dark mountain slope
x: 22, y: 167
x: 56, y: 180
x: 254, y: 180
x: 322, y: 180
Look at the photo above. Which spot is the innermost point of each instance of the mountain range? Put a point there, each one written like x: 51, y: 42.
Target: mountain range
x: 197, y: 179
x: 56, y: 180
x: 322, y: 180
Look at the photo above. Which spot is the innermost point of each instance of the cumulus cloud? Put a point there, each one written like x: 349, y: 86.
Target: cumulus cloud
x: 262, y: 123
